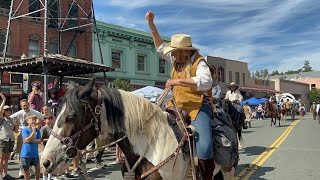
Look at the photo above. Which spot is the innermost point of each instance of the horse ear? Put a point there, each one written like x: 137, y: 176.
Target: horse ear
x: 87, y: 89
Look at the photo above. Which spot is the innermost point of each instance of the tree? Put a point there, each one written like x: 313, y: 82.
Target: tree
x: 306, y: 66
x: 314, y: 95
x: 257, y: 73
x: 122, y: 84
x: 261, y: 73
x: 265, y: 72
x: 276, y: 72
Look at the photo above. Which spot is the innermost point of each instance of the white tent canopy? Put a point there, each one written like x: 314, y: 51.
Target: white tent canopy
x: 151, y: 93
x: 289, y: 96
x: 148, y: 92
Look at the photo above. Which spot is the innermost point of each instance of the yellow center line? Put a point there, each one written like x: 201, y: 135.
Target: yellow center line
x: 256, y: 167
x: 266, y: 154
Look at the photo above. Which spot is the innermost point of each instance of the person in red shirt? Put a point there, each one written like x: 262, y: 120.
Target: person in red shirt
x: 62, y: 91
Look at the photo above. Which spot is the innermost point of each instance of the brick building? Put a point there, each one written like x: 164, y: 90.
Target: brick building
x: 26, y: 35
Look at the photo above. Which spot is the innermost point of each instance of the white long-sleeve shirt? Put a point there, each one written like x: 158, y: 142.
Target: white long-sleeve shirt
x: 234, y: 96
x: 203, y: 77
x: 318, y: 108
x: 216, y: 91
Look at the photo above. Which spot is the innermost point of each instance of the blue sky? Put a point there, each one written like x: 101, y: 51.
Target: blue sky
x: 272, y: 34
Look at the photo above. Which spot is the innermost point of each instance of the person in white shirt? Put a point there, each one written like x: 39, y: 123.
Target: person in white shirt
x: 21, y: 117
x: 216, y: 89
x: 190, y: 79
x: 234, y: 94
x: 318, y: 110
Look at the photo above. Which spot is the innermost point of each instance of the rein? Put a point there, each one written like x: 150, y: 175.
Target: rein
x: 186, y: 137
x: 68, y: 141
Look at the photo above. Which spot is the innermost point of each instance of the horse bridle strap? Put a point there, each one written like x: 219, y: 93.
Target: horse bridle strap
x: 94, y: 122
x: 155, y: 168
x: 69, y: 140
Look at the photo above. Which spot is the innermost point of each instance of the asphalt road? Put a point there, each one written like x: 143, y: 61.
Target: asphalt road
x: 294, y: 155
x: 288, y: 152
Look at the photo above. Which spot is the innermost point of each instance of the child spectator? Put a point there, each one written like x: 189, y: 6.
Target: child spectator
x: 29, y: 155
x: 54, y: 99
x: 46, y: 112
x: 20, y: 116
x: 45, y: 133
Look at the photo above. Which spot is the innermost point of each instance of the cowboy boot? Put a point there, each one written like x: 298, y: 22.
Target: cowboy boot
x: 207, y: 166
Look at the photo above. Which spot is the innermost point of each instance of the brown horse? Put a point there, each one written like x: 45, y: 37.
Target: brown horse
x: 284, y: 113
x: 272, y: 112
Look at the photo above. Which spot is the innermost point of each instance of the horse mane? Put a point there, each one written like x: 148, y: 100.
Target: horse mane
x: 71, y: 99
x: 114, y: 108
x: 133, y: 115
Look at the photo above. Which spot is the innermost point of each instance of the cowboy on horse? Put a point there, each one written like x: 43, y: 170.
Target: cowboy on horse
x: 192, y: 87
x: 234, y: 95
x: 273, y: 100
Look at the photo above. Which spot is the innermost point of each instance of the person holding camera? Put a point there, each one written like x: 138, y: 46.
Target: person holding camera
x: 34, y: 98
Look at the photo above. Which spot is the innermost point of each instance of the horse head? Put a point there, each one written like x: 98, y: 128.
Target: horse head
x: 75, y: 127
x: 226, y: 105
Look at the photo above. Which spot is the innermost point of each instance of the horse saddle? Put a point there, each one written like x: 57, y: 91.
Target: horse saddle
x: 175, y: 124
x: 184, y: 114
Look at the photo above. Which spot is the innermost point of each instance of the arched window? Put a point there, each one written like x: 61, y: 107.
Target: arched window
x: 213, y: 69
x: 34, y: 46
x: 34, y: 5
x: 221, y: 74
x: 53, y: 46
x: 53, y: 9
x: 73, y: 50
x: 73, y: 13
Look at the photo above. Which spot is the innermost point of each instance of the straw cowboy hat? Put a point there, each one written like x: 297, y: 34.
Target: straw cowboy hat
x: 179, y: 42
x: 232, y: 84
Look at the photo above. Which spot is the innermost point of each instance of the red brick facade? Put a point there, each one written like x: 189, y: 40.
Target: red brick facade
x: 22, y: 28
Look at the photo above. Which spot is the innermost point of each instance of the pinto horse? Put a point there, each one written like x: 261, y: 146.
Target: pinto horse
x: 87, y: 113
x: 272, y: 112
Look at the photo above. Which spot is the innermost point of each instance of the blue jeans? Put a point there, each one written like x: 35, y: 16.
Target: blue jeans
x: 203, y: 138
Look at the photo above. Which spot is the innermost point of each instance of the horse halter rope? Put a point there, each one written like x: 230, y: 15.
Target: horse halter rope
x: 71, y: 148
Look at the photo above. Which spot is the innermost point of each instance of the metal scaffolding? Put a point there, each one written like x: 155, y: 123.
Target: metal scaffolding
x: 89, y: 20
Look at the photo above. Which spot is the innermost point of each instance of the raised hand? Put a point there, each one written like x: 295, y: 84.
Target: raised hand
x: 2, y: 96
x: 149, y: 16
x: 33, y: 127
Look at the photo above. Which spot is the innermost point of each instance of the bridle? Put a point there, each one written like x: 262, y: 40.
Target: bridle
x: 70, y: 146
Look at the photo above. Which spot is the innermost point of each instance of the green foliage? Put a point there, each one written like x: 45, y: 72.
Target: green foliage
x: 314, y: 95
x: 122, y: 84
x: 276, y: 72
x: 257, y: 73
x: 265, y: 73
x: 306, y: 66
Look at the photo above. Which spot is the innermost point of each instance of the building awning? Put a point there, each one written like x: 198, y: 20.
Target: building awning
x: 58, y: 65
x: 259, y: 89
